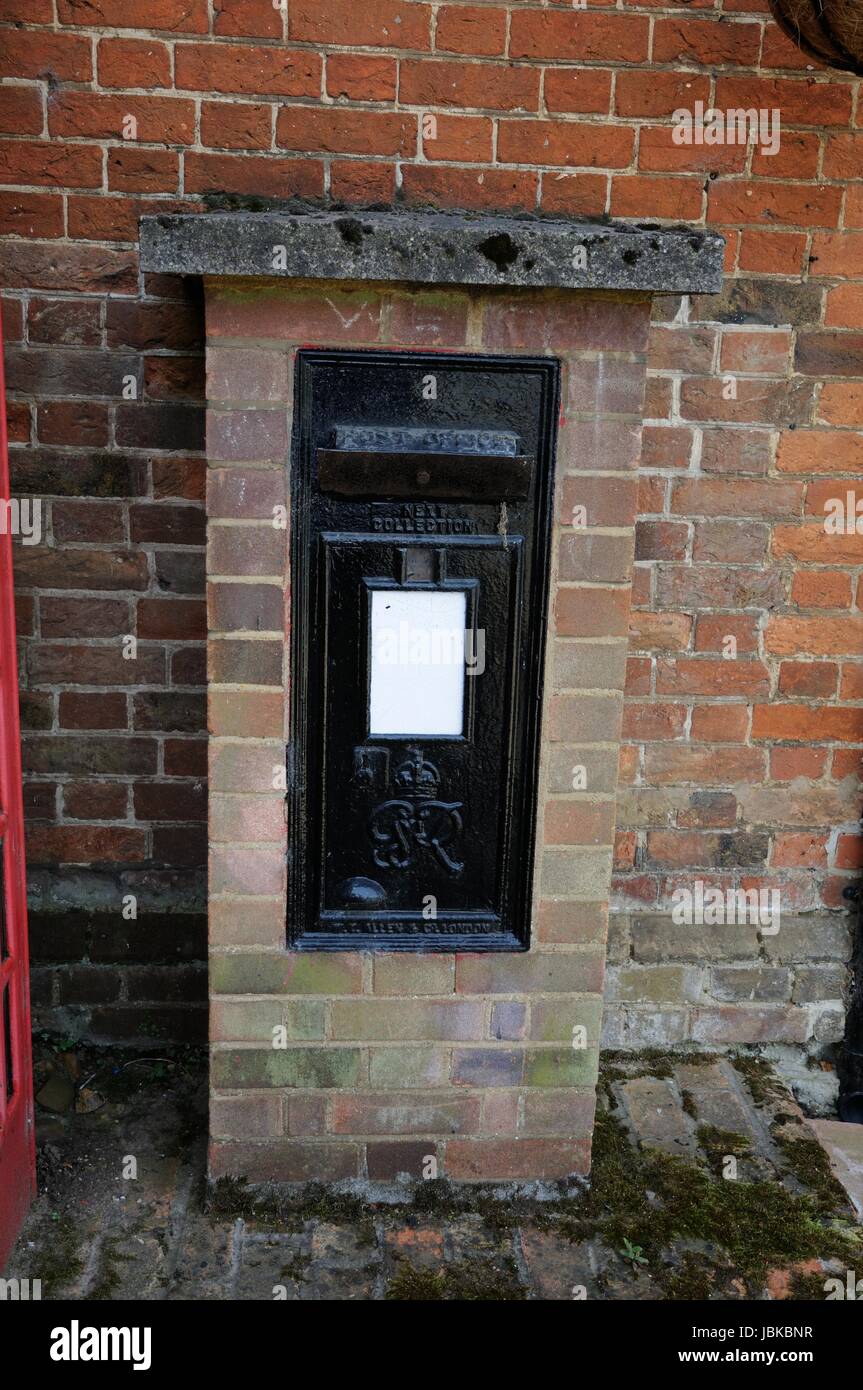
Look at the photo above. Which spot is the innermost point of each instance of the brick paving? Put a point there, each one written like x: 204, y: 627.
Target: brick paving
x: 124, y: 1211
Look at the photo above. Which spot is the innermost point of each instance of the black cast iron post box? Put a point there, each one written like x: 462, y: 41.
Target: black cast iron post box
x: 420, y: 534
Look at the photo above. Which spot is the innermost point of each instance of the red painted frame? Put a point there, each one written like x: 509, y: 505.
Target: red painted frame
x: 17, y: 1143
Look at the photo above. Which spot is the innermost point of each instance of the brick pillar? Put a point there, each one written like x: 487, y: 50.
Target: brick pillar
x: 390, y: 1058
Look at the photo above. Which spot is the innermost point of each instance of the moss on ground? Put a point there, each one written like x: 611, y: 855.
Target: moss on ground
x: 809, y: 1163
x: 718, y: 1144
x: 465, y: 1281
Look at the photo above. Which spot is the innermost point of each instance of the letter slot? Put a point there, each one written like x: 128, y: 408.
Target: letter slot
x: 420, y: 556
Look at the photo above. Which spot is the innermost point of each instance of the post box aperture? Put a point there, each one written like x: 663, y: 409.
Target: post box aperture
x: 421, y: 513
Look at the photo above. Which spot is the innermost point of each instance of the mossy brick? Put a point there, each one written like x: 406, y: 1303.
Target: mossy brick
x: 404, y: 1067
x: 314, y: 973
x: 537, y: 972
x: 254, y: 1020
x: 561, y: 1066
x: 552, y: 1020
x: 411, y: 1019
x: 311, y: 1068
x: 403, y: 973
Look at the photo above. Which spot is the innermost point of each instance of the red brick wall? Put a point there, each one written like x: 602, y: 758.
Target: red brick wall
x: 741, y: 770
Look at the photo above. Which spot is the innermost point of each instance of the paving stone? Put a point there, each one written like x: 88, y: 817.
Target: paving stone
x: 655, y: 1110
x: 342, y: 1266
x: 556, y: 1269
x: 272, y: 1267
x: 844, y: 1144
x: 724, y: 1110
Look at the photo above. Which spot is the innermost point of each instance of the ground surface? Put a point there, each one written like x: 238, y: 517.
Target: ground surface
x: 707, y: 1183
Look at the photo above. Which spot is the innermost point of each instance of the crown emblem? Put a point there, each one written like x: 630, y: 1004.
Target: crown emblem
x: 416, y: 776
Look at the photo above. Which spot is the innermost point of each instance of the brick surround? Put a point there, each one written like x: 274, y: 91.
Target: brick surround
x: 392, y: 1058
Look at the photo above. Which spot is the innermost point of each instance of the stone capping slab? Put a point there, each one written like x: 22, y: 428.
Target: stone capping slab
x: 436, y: 249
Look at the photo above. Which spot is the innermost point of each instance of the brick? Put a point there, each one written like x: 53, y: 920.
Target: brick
x: 719, y: 724
x: 98, y: 711
x: 143, y: 171
x: 378, y: 24
x: 718, y: 586
x: 604, y: 559
x: 248, y: 19
x: 256, y: 1117
x: 304, y: 128
x: 252, y: 714
x: 786, y: 636
x: 820, y: 451
x: 398, y: 973
x: 564, y: 143
x: 74, y: 422
x: 169, y: 711
x: 396, y: 1113
x: 800, y: 723
x: 469, y: 188
x: 96, y: 116
x: 609, y: 502
x: 246, y: 663
x: 578, y: 37
x: 750, y: 1024
x: 485, y: 1160
x: 502, y: 87
x: 284, y: 1161
x: 772, y: 252
x: 65, y: 56
x: 704, y: 676
x: 88, y: 521
x: 578, y: 195
x: 246, y: 607
x: 588, y: 324
x: 533, y: 973
x: 487, y: 1066
x: 711, y: 767
x: 665, y: 93
x: 474, y: 29
x: 659, y: 631
x: 591, y: 612
x: 464, y: 138
x: 133, y: 63
x: 638, y: 196
x: 651, y: 720
x: 246, y: 68
x: 20, y: 111
x: 585, y: 90
x: 361, y: 77
x: 400, y: 1068
x: 659, y: 152
x: 571, y: 922
x: 50, y: 163
x: 306, y: 1067
x: 424, y: 1020
x: 296, y: 316
x: 578, y: 823
x: 256, y: 175
x: 705, y: 41
x: 82, y: 844
x: 582, y: 717
x: 786, y: 764
x: 184, y: 16
x: 362, y: 181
